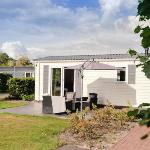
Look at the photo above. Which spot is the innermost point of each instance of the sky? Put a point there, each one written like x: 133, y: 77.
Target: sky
x: 38, y: 28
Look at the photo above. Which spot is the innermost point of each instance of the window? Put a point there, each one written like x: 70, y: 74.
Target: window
x: 28, y: 74
x: 121, y: 74
x: 56, y: 81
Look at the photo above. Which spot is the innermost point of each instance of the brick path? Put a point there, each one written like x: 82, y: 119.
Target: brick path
x: 71, y: 147
x: 132, y: 141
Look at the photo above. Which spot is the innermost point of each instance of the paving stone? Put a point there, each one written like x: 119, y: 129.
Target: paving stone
x: 133, y: 141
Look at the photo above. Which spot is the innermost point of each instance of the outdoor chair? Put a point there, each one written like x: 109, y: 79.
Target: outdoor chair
x: 70, y: 96
x: 58, y: 103
x: 89, y: 101
x: 71, y: 100
x: 86, y: 102
x: 53, y: 104
x: 47, y: 107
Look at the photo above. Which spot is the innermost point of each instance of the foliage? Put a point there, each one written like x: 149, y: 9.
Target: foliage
x: 4, y: 59
x: 144, y: 62
x: 21, y: 86
x: 143, y: 114
x: 24, y: 132
x: 27, y: 97
x: 143, y: 9
x: 23, y: 61
x: 10, y: 104
x: 144, y: 30
x: 98, y: 122
x: 3, y: 81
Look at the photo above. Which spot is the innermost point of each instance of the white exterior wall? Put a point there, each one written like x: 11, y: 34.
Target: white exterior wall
x: 37, y: 81
x: 39, y: 75
x: 103, y: 82
x: 142, y: 87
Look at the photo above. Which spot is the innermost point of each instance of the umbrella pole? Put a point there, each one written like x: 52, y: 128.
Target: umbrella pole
x: 81, y: 90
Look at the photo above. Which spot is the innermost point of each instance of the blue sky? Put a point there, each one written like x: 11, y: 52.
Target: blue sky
x: 63, y: 27
x: 73, y: 4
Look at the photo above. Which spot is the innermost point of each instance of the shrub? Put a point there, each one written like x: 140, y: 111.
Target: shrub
x: 21, y: 86
x: 27, y: 97
x: 3, y: 81
x: 98, y: 122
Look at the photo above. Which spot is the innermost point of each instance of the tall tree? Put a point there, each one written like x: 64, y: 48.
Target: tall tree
x: 144, y: 31
x: 23, y: 61
x: 4, y: 59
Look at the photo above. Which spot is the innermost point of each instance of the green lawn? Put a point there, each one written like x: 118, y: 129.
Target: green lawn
x: 10, y: 104
x: 22, y: 132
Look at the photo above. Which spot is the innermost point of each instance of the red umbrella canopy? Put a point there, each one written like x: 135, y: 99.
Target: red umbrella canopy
x: 92, y: 65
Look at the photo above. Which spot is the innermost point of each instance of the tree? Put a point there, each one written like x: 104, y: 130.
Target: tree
x: 4, y: 58
x: 144, y: 30
x: 23, y: 61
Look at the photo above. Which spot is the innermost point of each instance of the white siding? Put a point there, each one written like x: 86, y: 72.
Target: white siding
x: 37, y: 81
x: 109, y: 90
x: 103, y: 82
x: 39, y: 75
x: 143, y: 87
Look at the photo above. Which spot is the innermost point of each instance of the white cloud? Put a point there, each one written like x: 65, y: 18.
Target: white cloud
x: 48, y: 29
x: 14, y: 49
x: 114, y: 8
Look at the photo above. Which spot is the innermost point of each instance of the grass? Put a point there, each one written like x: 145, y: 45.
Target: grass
x: 11, y: 104
x: 24, y: 132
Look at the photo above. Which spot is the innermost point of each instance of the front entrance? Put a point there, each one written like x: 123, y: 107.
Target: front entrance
x: 68, y: 80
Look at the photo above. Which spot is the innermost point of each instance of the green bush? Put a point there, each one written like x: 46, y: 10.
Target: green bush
x: 3, y: 81
x: 21, y: 86
x: 27, y: 97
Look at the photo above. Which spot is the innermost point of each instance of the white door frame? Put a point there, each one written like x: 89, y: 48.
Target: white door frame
x: 62, y: 80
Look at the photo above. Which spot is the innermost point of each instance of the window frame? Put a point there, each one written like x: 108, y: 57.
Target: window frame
x: 31, y: 74
x: 118, y: 72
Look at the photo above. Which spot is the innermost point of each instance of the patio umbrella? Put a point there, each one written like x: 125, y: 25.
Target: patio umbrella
x: 90, y: 65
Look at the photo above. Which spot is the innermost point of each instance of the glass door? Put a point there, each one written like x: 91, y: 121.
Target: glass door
x: 56, y: 81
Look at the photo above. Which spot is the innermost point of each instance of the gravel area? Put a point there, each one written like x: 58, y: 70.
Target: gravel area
x: 103, y: 143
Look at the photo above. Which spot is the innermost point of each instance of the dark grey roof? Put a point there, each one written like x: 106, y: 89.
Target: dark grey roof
x: 85, y: 57
x: 30, y: 68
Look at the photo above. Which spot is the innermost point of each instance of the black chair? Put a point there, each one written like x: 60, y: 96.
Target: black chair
x: 88, y: 102
x: 93, y: 98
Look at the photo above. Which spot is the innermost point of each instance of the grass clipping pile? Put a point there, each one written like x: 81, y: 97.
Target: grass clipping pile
x: 98, y: 127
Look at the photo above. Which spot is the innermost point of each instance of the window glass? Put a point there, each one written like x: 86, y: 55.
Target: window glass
x: 121, y: 74
x: 28, y: 74
x: 56, y: 81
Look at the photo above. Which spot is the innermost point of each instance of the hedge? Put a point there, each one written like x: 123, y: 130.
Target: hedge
x: 3, y: 81
x: 18, y: 87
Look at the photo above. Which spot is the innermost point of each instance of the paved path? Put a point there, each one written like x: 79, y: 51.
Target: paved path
x: 3, y: 95
x: 132, y: 141
x: 33, y: 108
